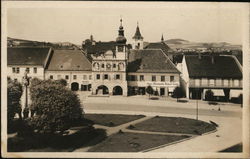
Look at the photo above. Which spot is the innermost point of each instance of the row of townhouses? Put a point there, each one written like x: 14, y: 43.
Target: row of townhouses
x: 118, y: 68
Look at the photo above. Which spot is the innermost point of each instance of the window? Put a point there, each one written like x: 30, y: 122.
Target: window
x: 17, y: 70
x: 74, y: 77
x: 13, y: 70
x: 28, y: 70
x: 197, y: 82
x: 236, y: 82
x: 103, y: 65
x: 218, y: 82
x: 204, y: 81
x: 98, y: 76
x: 163, y: 78
x: 141, y: 77
x: 34, y: 70
x: 133, y: 78
x: 171, y: 78
x: 90, y: 77
x: 51, y: 76
x: 66, y: 77
x: 58, y: 76
x: 106, y: 76
x: 225, y: 82
x: 211, y: 82
x: 84, y: 77
x: 117, y: 76
x: 114, y: 65
x: 153, y: 78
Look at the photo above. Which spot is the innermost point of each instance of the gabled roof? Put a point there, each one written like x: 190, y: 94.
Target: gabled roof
x: 100, y: 47
x: 159, y: 45
x: 27, y: 56
x: 69, y: 60
x: 150, y: 60
x: 223, y: 67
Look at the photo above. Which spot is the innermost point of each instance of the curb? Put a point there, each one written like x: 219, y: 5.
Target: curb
x: 175, y: 142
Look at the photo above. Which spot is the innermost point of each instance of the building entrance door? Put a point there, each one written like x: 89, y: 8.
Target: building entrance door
x: 162, y: 91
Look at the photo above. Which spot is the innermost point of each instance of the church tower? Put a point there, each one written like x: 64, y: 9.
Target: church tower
x: 138, y: 39
x: 121, y: 46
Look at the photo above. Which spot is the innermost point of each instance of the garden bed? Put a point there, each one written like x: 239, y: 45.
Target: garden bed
x: 111, y: 120
x: 174, y: 125
x: 134, y: 142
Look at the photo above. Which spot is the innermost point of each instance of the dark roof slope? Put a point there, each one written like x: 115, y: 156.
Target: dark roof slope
x: 27, y: 56
x: 100, y: 47
x: 159, y: 45
x: 69, y: 60
x: 153, y: 60
x: 223, y: 67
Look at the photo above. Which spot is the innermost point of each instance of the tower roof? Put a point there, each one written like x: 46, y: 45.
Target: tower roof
x: 137, y: 33
x: 121, y: 39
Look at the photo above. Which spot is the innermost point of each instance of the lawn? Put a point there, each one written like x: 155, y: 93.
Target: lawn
x: 133, y: 142
x: 174, y: 125
x: 111, y: 120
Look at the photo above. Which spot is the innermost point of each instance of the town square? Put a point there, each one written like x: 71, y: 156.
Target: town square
x: 121, y: 79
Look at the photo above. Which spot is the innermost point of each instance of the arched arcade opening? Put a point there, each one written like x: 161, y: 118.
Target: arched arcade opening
x: 74, y: 86
x: 117, y: 90
x: 101, y: 90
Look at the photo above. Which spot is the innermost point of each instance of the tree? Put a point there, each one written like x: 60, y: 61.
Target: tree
x: 14, y: 92
x: 149, y: 90
x: 209, y: 95
x: 62, y: 82
x: 55, y: 107
x: 177, y: 93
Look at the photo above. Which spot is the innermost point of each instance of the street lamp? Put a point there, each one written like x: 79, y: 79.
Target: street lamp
x: 197, y: 91
x: 26, y: 84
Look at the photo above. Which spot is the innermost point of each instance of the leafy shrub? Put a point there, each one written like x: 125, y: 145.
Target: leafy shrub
x: 55, y: 107
x: 14, y: 91
x: 209, y: 95
x: 149, y: 90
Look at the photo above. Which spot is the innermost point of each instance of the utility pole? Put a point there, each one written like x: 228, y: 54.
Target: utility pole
x: 197, y: 103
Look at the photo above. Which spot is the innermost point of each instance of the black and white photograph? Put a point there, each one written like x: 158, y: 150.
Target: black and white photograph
x: 125, y: 79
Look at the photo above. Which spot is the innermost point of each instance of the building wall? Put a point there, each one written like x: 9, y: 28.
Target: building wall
x: 166, y: 84
x: 110, y: 66
x: 82, y: 77
x: 137, y: 44
x: 18, y: 76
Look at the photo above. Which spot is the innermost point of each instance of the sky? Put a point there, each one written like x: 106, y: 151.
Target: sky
x: 205, y: 22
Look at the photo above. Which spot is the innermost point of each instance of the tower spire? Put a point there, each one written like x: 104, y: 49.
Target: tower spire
x: 137, y: 33
x: 121, y: 38
x: 162, y: 38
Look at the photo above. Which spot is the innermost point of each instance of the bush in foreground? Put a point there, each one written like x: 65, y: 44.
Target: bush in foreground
x: 54, y: 106
x: 14, y: 92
